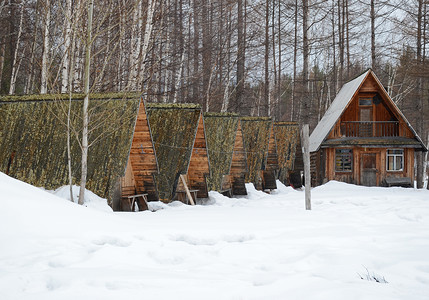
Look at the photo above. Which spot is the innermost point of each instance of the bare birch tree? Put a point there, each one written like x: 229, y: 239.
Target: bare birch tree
x: 46, y: 45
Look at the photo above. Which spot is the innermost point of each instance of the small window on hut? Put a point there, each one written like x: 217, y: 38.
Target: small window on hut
x: 395, y: 160
x: 343, y: 160
x: 365, y: 101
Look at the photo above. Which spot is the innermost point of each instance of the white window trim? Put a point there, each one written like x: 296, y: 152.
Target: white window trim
x: 394, y: 160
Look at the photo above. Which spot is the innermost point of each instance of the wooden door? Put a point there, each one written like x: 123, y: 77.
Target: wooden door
x: 365, y: 128
x: 369, y: 172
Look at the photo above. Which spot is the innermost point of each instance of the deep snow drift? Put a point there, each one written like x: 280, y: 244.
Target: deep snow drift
x: 256, y: 247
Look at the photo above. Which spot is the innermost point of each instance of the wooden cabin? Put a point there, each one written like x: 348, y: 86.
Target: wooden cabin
x: 33, y: 139
x: 286, y: 136
x: 256, y: 138
x: 364, y: 138
x: 169, y: 141
x: 226, y: 153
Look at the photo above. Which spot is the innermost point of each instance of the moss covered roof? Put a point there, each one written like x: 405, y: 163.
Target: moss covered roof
x: 220, y: 130
x: 33, y: 141
x: 286, y: 123
x: 63, y: 97
x: 287, y: 137
x: 173, y: 135
x: 256, y: 118
x: 172, y: 106
x: 256, y: 135
x: 220, y: 115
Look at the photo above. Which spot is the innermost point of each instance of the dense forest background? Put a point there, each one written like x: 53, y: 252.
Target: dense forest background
x: 281, y: 58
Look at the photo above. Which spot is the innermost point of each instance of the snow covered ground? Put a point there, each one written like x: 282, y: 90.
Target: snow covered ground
x: 258, y: 247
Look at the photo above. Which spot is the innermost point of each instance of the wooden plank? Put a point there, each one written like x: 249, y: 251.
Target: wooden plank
x: 188, y: 193
x: 239, y: 161
x: 199, y: 162
x: 306, y: 154
x: 142, y: 154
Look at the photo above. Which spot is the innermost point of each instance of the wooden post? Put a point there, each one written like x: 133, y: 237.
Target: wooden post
x: 182, y: 177
x: 306, y: 157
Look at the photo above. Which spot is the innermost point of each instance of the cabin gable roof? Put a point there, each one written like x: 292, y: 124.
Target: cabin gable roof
x: 341, y: 102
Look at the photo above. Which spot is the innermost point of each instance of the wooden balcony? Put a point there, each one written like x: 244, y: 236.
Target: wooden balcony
x: 370, y: 129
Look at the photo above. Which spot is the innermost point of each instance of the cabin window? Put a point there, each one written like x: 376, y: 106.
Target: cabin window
x: 395, y: 160
x: 343, y: 160
x: 365, y: 101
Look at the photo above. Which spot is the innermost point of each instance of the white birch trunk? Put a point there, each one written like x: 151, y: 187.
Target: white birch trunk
x: 86, y: 104
x: 44, y: 73
x: 225, y: 102
x: 146, y: 38
x: 15, y: 63
x: 168, y: 55
x: 135, y: 46
x: 122, y: 57
x: 67, y: 44
x: 179, y: 78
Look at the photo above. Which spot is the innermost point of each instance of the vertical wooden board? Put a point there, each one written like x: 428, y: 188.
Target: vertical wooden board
x: 330, y: 160
x: 142, y: 155
x: 239, y: 168
x: 272, y: 159
x: 356, y: 164
x: 128, y: 185
x: 411, y: 153
x: 239, y: 162
x: 199, y: 162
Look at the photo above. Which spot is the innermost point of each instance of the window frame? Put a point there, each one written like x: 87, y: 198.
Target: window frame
x: 395, y: 155
x: 342, y: 155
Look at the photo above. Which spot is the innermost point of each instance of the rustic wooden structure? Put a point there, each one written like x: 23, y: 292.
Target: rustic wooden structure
x: 221, y: 131
x: 177, y: 132
x: 142, y: 164
x: 287, y: 137
x: 256, y: 137
x: 363, y: 138
x: 33, y: 139
x: 239, y: 167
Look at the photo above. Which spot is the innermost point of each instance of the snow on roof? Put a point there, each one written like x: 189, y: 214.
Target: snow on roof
x: 334, y: 112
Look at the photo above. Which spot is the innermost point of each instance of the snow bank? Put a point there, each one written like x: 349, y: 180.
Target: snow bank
x: 91, y: 199
x: 256, y: 247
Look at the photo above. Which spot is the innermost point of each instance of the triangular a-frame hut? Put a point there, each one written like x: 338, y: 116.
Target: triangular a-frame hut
x: 256, y: 136
x: 33, y: 139
x: 178, y: 138
x: 364, y: 138
x: 142, y: 164
x: 221, y: 133
x: 286, y: 137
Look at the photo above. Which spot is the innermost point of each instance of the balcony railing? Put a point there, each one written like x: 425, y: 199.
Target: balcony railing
x: 370, y: 129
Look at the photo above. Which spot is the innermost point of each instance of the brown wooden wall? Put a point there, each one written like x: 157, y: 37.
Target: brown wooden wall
x: 272, y: 159
x: 199, y: 163
x: 355, y: 176
x: 142, y: 157
x: 239, y: 162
